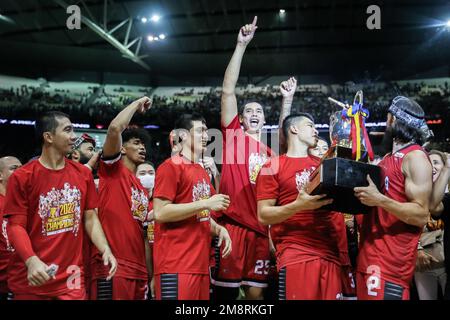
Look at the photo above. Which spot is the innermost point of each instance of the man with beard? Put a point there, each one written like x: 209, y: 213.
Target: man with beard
x: 123, y: 208
x: 306, y: 239
x: 7, y: 166
x: 391, y: 231
x: 83, y: 149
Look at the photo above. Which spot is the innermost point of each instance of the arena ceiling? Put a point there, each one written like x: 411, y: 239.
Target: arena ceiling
x: 311, y: 37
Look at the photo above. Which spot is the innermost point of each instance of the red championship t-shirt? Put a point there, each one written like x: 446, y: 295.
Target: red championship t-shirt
x: 307, y: 235
x: 122, y: 211
x: 182, y: 246
x: 388, y: 246
x: 341, y: 229
x: 243, y: 158
x: 53, y: 202
x: 5, y: 249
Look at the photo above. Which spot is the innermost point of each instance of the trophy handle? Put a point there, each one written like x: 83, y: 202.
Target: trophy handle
x: 358, y: 96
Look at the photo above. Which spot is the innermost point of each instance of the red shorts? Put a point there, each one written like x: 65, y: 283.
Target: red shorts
x: 316, y: 279
x: 76, y: 294
x: 348, y: 283
x: 119, y: 289
x: 182, y: 286
x: 373, y: 287
x: 248, y: 263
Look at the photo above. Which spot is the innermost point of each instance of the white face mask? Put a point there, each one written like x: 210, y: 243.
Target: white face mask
x: 147, y: 181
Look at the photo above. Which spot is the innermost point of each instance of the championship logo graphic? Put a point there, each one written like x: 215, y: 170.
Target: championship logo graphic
x: 255, y: 163
x: 302, y: 178
x: 201, y: 191
x: 151, y: 231
x: 60, y: 210
x: 139, y: 204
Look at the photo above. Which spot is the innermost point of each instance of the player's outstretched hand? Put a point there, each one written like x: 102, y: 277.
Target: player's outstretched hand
x: 288, y: 87
x: 247, y: 32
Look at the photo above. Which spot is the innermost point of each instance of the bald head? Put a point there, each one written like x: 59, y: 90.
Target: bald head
x: 7, y: 166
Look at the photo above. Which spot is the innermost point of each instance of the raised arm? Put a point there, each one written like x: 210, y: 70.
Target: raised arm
x: 113, y: 141
x: 287, y: 89
x: 229, y: 107
x: 418, y: 186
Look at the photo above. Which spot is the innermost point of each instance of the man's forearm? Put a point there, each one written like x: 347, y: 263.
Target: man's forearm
x: 177, y: 212
x: 408, y: 212
x: 232, y: 72
x: 286, y: 106
x: 95, y: 231
x: 122, y: 120
x: 20, y: 241
x: 268, y: 215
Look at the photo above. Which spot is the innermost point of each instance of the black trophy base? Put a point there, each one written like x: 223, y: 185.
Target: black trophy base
x: 336, y: 177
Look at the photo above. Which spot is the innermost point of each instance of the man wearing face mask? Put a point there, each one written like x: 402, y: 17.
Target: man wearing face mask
x: 145, y: 172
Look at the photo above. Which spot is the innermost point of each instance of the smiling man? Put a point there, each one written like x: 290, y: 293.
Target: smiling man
x: 50, y: 203
x: 243, y: 156
x: 123, y: 209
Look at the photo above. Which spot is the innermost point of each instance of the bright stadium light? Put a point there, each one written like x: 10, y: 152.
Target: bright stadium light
x: 162, y: 36
x: 144, y: 20
x: 155, y: 18
x: 448, y: 24
x: 282, y: 11
x: 150, y: 38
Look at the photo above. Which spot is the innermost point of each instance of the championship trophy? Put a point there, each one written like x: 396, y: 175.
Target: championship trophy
x: 345, y: 165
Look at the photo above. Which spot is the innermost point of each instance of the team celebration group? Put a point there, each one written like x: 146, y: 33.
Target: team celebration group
x: 79, y: 224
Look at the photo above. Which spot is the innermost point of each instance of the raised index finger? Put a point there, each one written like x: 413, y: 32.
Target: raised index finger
x: 255, y: 19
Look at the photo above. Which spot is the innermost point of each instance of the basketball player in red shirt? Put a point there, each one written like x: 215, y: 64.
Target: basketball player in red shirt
x: 50, y: 203
x: 7, y: 166
x: 123, y: 209
x: 183, y: 199
x: 243, y: 156
x: 306, y: 239
x: 391, y: 232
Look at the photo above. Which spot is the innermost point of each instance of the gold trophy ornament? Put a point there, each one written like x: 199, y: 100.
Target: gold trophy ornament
x: 345, y: 165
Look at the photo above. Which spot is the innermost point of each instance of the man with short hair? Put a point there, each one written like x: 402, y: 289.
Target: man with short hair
x: 390, y: 232
x: 243, y: 156
x: 306, y: 238
x: 50, y: 203
x: 183, y: 200
x: 123, y: 209
x: 8, y: 165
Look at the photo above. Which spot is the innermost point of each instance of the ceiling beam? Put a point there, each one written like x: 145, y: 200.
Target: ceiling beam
x: 123, y: 48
